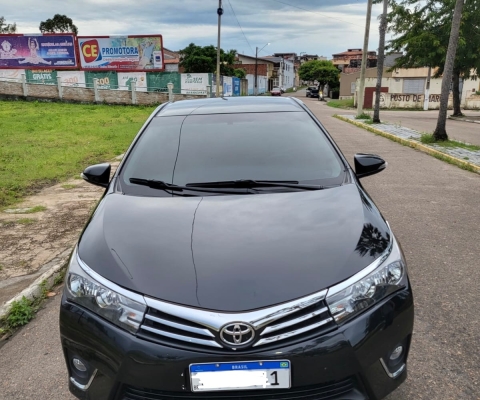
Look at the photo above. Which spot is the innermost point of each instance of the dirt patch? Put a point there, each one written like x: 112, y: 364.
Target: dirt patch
x: 29, y: 240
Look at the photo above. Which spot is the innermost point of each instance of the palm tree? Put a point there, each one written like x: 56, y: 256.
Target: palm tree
x: 440, y: 132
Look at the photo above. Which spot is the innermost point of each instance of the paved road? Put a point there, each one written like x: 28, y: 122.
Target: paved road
x: 433, y: 208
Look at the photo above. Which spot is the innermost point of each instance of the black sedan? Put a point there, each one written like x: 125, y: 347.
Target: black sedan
x: 235, y: 255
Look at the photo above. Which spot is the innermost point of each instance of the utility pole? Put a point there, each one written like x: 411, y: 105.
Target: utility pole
x: 361, y: 89
x: 427, y: 90
x: 255, y: 90
x: 380, y: 62
x: 256, y: 71
x: 219, y: 12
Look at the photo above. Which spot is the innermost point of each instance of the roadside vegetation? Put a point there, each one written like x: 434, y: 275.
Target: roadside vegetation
x: 45, y: 143
x: 345, y: 104
x: 428, y: 138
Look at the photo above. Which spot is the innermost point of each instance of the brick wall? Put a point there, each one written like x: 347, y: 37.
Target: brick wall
x: 42, y: 91
x: 83, y: 95
x: 250, y: 68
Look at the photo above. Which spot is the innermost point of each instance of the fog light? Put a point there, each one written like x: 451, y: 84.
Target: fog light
x: 396, y: 353
x: 79, y: 365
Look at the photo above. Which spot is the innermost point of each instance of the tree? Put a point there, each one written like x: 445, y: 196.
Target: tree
x: 422, y: 32
x: 58, y: 24
x: 440, y: 132
x: 240, y: 73
x: 198, y: 59
x: 7, y: 28
x: 380, y: 62
x: 319, y: 70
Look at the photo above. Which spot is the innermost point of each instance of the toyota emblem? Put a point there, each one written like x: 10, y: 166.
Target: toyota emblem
x: 237, y: 334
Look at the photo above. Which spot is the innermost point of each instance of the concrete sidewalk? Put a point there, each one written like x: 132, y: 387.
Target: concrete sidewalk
x: 464, y: 158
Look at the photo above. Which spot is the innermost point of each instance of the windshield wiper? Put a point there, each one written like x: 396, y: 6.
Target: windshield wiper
x: 250, y: 183
x: 156, y: 184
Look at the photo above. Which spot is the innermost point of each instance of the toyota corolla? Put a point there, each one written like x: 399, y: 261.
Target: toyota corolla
x: 236, y: 255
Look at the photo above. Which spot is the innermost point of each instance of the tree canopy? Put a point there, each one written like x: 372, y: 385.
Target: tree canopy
x: 58, y: 24
x: 198, y: 59
x: 422, y: 31
x: 319, y: 70
x: 7, y: 28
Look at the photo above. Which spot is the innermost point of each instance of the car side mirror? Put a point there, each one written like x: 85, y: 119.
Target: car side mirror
x: 98, y: 174
x: 368, y: 164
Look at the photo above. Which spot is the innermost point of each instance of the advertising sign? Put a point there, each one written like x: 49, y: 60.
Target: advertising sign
x: 227, y: 86
x: 38, y: 51
x: 125, y: 80
x: 158, y: 82
x: 41, y: 76
x: 195, y: 83
x: 11, y: 74
x: 121, y: 53
x: 236, y: 86
x: 72, y: 78
x: 106, y: 80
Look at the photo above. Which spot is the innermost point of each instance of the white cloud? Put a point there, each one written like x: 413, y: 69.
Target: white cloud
x: 333, y: 27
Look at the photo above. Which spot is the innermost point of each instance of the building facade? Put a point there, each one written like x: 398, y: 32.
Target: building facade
x: 351, y: 60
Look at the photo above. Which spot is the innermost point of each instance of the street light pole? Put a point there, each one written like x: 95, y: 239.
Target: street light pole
x: 364, y: 60
x: 255, y: 92
x: 219, y: 12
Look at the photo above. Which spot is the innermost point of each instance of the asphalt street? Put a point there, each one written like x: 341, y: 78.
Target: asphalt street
x: 433, y: 209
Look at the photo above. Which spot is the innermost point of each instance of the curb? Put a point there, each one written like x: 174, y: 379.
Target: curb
x: 416, y: 145
x: 34, y: 290
x: 464, y: 120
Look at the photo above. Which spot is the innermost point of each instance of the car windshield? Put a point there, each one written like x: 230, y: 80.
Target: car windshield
x: 287, y: 146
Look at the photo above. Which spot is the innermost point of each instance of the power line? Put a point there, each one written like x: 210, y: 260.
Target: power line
x: 316, y: 12
x: 238, y: 22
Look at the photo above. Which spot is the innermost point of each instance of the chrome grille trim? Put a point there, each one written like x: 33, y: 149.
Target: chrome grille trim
x: 292, y: 333
x: 171, y: 335
x: 215, y: 320
x: 199, y: 331
x: 291, y: 322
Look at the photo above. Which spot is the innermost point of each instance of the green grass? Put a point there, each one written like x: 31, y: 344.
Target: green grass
x: 290, y: 90
x: 69, y: 186
x: 44, y: 143
x: 363, y: 115
x: 35, y: 210
x: 21, y: 312
x: 26, y: 221
x: 428, y: 138
x: 346, y: 103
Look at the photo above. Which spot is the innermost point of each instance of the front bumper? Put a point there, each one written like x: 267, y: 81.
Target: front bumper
x: 342, y: 364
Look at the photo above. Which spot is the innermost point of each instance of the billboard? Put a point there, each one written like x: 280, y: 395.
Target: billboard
x: 106, y: 79
x: 125, y: 80
x: 72, y: 78
x: 195, y: 83
x: 41, y: 76
x: 121, y: 53
x: 56, y: 51
x: 11, y: 74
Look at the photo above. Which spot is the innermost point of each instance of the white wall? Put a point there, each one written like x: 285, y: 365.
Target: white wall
x: 262, y: 84
x: 288, y: 74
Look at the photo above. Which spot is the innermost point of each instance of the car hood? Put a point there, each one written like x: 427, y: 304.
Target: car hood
x: 234, y: 253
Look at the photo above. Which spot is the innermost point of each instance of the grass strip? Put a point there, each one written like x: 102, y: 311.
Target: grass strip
x: 44, y: 143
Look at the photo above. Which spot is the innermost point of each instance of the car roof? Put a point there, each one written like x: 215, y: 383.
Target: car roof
x: 231, y: 105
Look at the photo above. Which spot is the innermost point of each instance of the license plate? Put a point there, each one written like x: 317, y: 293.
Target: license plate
x: 249, y: 375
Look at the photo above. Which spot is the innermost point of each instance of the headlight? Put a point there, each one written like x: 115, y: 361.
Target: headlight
x: 383, y: 277
x: 115, y: 304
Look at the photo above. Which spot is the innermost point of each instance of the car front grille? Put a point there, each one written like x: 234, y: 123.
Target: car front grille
x: 200, y: 329
x: 318, y: 392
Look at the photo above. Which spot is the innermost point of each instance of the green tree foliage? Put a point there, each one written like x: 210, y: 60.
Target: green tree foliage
x: 198, y: 59
x: 58, y: 24
x: 7, y: 28
x: 239, y: 73
x: 320, y: 70
x: 422, y: 31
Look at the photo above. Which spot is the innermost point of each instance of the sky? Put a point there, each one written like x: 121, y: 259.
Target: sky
x: 322, y: 27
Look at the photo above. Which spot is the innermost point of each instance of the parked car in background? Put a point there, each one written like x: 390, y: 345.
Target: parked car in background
x: 312, y: 91
x: 244, y: 261
x: 276, y: 91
